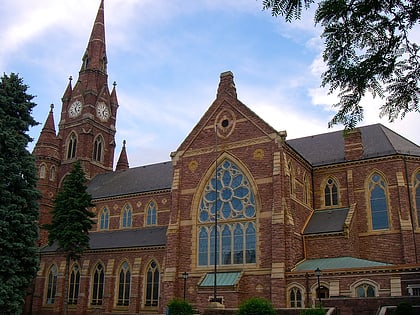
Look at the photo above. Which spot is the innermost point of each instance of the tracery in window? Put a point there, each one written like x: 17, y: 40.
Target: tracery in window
x: 51, y: 285
x: 104, y: 219
x: 295, y: 297
x: 365, y: 290
x: 378, y: 202
x: 124, y: 281
x: 98, y: 148
x: 417, y: 196
x: 331, y: 193
x: 126, y: 216
x: 151, y: 213
x: 42, y: 171
x: 236, y: 209
x: 98, y: 285
x: 152, y: 285
x: 71, y: 146
x: 74, y: 283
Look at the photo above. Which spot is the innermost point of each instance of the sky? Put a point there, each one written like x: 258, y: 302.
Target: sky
x: 166, y: 58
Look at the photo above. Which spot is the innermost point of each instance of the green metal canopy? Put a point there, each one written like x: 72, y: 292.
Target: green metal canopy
x: 337, y: 263
x: 223, y: 279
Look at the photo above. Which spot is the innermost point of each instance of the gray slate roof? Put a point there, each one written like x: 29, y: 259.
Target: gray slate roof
x: 326, y: 221
x: 143, y: 237
x: 328, y: 148
x: 131, y: 181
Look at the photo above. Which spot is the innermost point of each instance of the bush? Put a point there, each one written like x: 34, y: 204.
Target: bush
x: 179, y: 307
x: 404, y: 308
x: 313, y: 311
x: 256, y: 306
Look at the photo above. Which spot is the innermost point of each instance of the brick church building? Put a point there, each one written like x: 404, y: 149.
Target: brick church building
x: 238, y: 210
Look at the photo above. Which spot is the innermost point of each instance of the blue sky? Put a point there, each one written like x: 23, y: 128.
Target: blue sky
x: 167, y: 56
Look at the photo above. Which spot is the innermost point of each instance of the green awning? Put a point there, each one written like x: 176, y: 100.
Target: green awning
x: 223, y: 279
x: 337, y: 263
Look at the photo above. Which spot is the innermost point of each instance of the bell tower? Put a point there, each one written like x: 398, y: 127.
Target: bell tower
x: 89, y: 110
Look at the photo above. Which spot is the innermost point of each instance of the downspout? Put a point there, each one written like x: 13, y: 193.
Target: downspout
x: 411, y: 207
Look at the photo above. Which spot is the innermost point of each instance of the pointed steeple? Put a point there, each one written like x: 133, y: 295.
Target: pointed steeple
x: 122, y: 163
x: 227, y: 85
x: 95, y: 55
x: 68, y: 91
x: 48, y: 134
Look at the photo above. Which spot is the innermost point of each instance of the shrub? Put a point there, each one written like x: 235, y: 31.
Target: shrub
x: 404, y: 308
x: 179, y: 307
x: 256, y: 306
x: 313, y: 311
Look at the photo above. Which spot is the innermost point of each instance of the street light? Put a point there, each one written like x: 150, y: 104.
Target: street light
x: 318, y: 274
x: 185, y: 277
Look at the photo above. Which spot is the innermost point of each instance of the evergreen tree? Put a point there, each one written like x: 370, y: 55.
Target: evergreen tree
x: 18, y: 195
x: 369, y: 48
x: 71, y: 220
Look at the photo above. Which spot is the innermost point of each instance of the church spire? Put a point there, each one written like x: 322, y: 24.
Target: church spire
x: 122, y: 163
x: 95, y: 55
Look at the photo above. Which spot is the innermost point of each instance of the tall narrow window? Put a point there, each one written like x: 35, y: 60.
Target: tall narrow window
x: 71, y: 146
x: 291, y: 178
x: 151, y: 213
x: 104, y: 219
x: 417, y: 192
x: 295, y: 297
x: 331, y: 193
x: 236, y: 209
x: 98, y: 148
x: 98, y: 285
x: 74, y: 284
x: 52, y: 173
x: 152, y: 285
x: 42, y: 171
x: 51, y: 285
x: 126, y: 216
x: 306, y: 190
x: 124, y: 285
x: 378, y: 202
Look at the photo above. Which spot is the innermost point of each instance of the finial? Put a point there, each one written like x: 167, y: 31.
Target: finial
x: 114, y: 84
x: 124, y: 143
x: 70, y: 78
x: 51, y: 106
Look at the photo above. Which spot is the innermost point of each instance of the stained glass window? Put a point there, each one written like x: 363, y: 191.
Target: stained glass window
x: 126, y: 216
x: 151, y: 213
x: 124, y: 285
x: 98, y: 285
x: 331, y: 193
x: 236, y: 209
x: 52, y: 285
x: 152, y: 285
x: 104, y: 219
x: 378, y: 202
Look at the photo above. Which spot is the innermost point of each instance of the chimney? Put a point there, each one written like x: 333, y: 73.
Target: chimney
x: 353, y: 146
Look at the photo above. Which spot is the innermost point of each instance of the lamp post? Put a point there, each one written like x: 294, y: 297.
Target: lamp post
x: 185, y: 277
x: 318, y: 274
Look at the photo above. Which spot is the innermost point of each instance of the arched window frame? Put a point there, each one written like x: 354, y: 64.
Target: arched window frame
x: 53, y: 173
x: 98, y: 284
x: 366, y: 286
x: 42, y: 171
x: 74, y: 284
x: 296, y: 295
x: 123, y: 284
x: 416, y: 193
x: 126, y: 216
x: 71, y: 146
x: 98, y: 149
x: 104, y: 219
x: 236, y: 229
x: 331, y: 192
x: 306, y: 190
x: 51, y: 285
x: 151, y: 213
x: 378, y: 202
x: 152, y: 283
x: 323, y: 289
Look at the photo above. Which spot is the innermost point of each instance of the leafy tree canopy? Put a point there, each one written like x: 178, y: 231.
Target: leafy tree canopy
x: 18, y: 195
x: 368, y: 48
x: 71, y: 217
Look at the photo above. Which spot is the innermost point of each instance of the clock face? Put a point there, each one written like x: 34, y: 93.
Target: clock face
x: 75, y: 109
x: 102, y: 111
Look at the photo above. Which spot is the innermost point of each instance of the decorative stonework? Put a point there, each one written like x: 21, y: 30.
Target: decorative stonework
x: 225, y: 123
x: 138, y: 204
x: 258, y: 154
x: 192, y: 166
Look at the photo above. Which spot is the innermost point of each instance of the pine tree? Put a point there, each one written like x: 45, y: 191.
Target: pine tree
x: 18, y: 195
x: 71, y: 221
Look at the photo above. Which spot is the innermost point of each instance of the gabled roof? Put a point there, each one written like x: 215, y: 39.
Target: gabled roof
x: 128, y: 238
x: 131, y: 181
x: 337, y: 263
x: 326, y: 221
x: 328, y: 148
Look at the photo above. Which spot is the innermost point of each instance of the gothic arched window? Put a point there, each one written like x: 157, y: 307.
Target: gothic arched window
x: 417, y: 196
x: 98, y: 148
x: 152, y: 285
x: 104, y: 219
x: 365, y: 290
x: 42, y: 170
x: 74, y: 284
x: 151, y: 213
x: 98, y: 285
x: 124, y: 280
x: 236, y: 228
x: 331, y: 193
x: 295, y: 297
x: 52, y: 173
x: 51, y: 285
x: 306, y: 190
x: 71, y: 146
x: 126, y: 216
x: 378, y: 202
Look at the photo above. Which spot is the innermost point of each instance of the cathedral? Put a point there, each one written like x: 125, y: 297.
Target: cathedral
x: 237, y: 211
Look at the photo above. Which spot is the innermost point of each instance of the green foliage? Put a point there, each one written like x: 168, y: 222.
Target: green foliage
x: 179, y: 307
x: 404, y: 308
x: 18, y: 195
x: 313, y: 311
x: 256, y: 306
x: 368, y: 49
x: 71, y: 218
